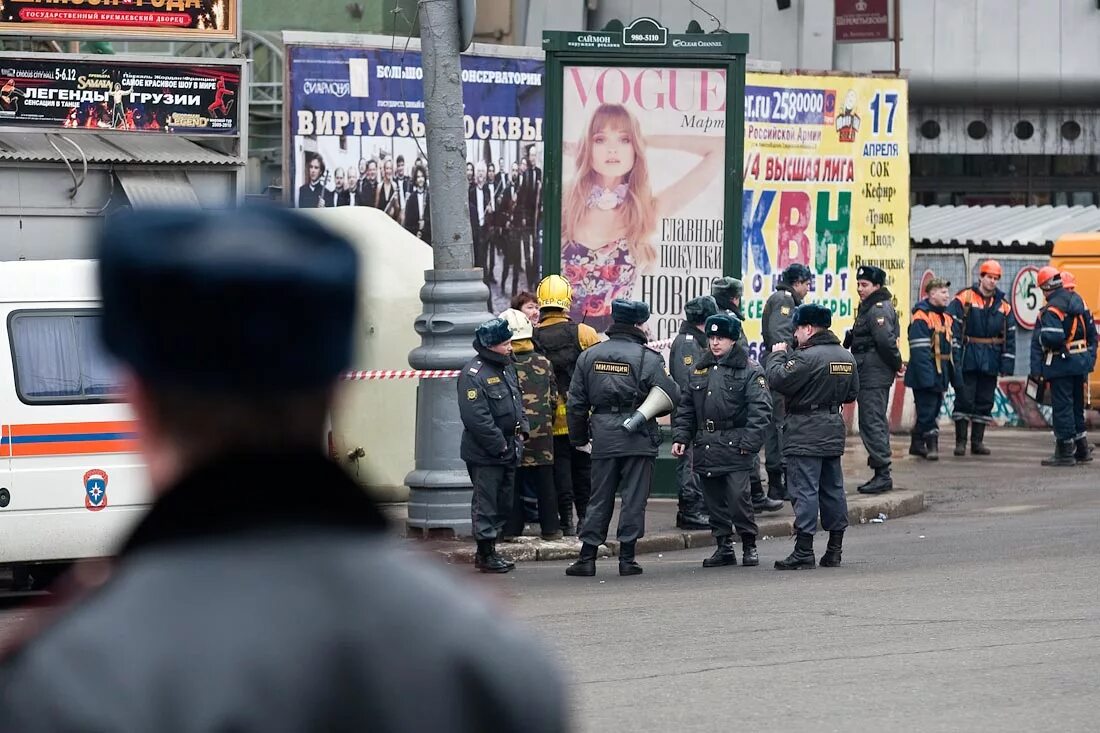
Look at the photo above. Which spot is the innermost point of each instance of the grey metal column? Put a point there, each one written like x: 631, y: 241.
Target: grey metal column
x: 454, y: 295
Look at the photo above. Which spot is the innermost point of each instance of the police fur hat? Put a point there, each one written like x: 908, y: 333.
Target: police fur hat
x: 631, y: 312
x: 797, y: 273
x: 727, y: 288
x: 493, y: 332
x: 812, y: 314
x: 698, y: 310
x: 251, y: 300
x: 723, y: 324
x: 872, y: 274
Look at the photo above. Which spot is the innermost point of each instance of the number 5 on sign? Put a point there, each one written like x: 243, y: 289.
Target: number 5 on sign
x: 888, y: 100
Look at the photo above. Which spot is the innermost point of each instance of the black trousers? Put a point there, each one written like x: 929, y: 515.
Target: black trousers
x: 572, y: 478
x: 928, y: 403
x: 974, y: 397
x: 512, y: 260
x: 628, y: 475
x: 541, y: 479
x: 491, y: 504
x: 1067, y: 400
x: 729, y: 504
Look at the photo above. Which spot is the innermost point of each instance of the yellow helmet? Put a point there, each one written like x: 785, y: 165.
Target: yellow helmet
x: 555, y: 292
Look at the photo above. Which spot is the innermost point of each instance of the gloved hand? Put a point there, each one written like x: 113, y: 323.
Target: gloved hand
x: 847, y: 339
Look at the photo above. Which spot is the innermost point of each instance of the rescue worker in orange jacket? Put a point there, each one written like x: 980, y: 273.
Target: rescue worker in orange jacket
x: 1063, y: 353
x: 986, y: 333
x: 931, y: 368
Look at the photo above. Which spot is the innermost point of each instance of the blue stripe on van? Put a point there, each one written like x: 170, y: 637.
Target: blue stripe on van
x: 66, y: 438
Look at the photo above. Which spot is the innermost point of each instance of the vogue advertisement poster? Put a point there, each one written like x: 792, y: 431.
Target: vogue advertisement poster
x: 642, y: 189
x: 159, y: 19
x: 356, y: 124
x: 826, y: 185
x: 56, y: 93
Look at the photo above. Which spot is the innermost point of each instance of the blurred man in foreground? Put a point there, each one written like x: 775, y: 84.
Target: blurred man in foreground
x: 261, y: 592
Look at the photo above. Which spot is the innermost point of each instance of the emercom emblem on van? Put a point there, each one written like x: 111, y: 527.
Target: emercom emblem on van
x: 95, y: 486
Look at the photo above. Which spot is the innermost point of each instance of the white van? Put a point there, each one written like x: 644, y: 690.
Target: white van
x: 71, y: 482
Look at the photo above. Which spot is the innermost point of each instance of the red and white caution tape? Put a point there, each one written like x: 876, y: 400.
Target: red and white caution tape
x: 373, y: 374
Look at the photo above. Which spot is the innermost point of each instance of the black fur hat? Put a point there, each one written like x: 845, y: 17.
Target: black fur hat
x: 812, y: 314
x: 723, y: 325
x: 872, y: 274
x: 631, y: 312
x: 698, y: 310
x: 492, y: 332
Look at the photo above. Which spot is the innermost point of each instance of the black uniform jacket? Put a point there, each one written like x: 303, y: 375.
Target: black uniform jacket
x: 816, y: 378
x: 874, y: 340
x: 262, y: 594
x: 611, y: 380
x: 490, y: 404
x: 723, y: 413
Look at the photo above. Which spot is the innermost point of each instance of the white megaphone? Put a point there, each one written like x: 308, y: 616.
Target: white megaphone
x: 656, y: 404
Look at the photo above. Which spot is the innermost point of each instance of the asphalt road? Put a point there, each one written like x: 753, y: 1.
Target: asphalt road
x: 980, y: 614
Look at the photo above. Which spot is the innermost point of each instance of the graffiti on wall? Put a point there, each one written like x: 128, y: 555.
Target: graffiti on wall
x: 1011, y: 406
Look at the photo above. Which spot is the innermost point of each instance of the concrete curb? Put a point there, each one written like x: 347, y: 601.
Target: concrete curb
x: 861, y: 510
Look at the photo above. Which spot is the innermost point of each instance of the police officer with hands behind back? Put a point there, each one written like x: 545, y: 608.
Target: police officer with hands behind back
x: 816, y: 379
x: 1063, y: 353
x: 723, y: 414
x: 494, y: 426
x: 776, y: 327
x: 874, y: 343
x: 618, y: 387
x: 688, y: 349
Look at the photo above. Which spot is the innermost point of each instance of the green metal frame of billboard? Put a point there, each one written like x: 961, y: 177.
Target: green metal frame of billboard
x: 631, y: 46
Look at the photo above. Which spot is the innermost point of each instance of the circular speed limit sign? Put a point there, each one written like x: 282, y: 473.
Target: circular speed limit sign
x: 1027, y: 299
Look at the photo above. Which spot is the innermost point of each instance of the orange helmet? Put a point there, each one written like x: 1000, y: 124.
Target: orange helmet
x: 1049, y: 278
x: 1069, y: 282
x: 990, y: 267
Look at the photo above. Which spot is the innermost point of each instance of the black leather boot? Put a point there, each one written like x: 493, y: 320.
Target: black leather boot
x: 488, y: 562
x: 831, y: 558
x: 723, y: 555
x: 932, y: 444
x: 503, y: 559
x: 1063, y: 454
x: 880, y: 484
x: 627, y: 566
x: 749, y: 557
x: 917, y: 446
x: 960, y: 439
x: 802, y: 557
x: 585, y: 566
x: 1083, y: 452
x: 565, y: 518
x: 777, y: 486
x: 760, y: 502
x: 977, y: 447
x: 692, y: 519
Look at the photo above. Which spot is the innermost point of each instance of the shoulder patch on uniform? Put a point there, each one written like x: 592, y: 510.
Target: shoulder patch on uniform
x: 611, y: 367
x: 471, y: 394
x: 785, y: 310
x: 493, y: 380
x: 688, y: 361
x: 880, y: 304
x: 840, y: 367
x: 789, y: 366
x: 881, y: 321
x: 762, y: 382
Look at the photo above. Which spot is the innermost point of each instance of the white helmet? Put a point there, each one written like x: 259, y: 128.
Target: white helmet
x: 519, y: 323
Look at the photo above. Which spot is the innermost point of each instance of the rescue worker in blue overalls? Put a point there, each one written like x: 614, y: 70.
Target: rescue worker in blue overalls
x: 931, y: 368
x: 1063, y: 353
x: 986, y: 332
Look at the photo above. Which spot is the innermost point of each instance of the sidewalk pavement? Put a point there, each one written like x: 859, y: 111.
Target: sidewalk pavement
x: 662, y: 534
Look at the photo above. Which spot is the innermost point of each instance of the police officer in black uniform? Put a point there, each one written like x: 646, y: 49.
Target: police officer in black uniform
x: 213, y: 615
x: 728, y: 293
x: 723, y: 413
x: 776, y: 328
x: 874, y: 343
x: 688, y: 349
x: 816, y: 379
x: 494, y: 427
x: 611, y: 381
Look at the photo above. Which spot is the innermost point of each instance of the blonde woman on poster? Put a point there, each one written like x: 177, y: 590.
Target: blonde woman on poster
x: 610, y: 213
